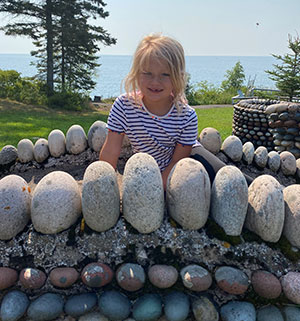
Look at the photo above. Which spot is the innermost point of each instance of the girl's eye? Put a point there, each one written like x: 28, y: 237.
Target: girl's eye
x: 166, y: 75
x: 145, y: 73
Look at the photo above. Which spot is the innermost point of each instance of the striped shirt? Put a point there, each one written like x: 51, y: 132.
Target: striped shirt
x: 152, y: 134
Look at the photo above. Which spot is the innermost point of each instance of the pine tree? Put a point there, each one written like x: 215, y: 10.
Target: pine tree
x: 234, y: 77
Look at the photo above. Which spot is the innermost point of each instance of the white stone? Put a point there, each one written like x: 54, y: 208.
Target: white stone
x: 56, y: 203
x: 97, y: 135
x: 143, y: 193
x: 229, y: 199
x: 288, y: 163
x: 248, y: 152
x: 233, y: 148
x: 57, y: 143
x: 261, y: 156
x: 25, y: 150
x: 41, y: 150
x: 291, y: 228
x: 188, y: 194
x: 100, y: 196
x: 210, y: 138
x: 76, y: 141
x: 273, y: 161
x: 14, y: 206
x: 265, y: 215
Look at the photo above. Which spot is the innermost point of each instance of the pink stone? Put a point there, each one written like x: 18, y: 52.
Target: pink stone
x: 63, y: 277
x: 162, y: 276
x: 8, y: 277
x: 130, y: 277
x: 32, y: 278
x: 196, y: 278
x: 266, y: 284
x: 96, y: 275
x: 291, y: 286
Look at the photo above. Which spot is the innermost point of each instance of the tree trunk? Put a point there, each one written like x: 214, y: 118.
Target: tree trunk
x: 49, y: 31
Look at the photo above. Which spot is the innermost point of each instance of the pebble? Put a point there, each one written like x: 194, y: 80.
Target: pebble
x: 14, y: 305
x: 114, y: 305
x: 204, y: 310
x: 25, y: 150
x: 273, y: 161
x: 238, y: 311
x: 57, y: 143
x: 291, y: 313
x: 210, y: 138
x: 130, y: 277
x: 269, y: 313
x: 143, y: 193
x: 63, y: 277
x: 76, y: 140
x: 261, y: 156
x: 196, y: 278
x: 288, y: 163
x: 97, y: 135
x: 8, y: 155
x: 233, y: 148
x: 291, y: 286
x: 229, y: 200
x: 56, y: 203
x: 96, y: 275
x: 162, y: 276
x: 80, y: 304
x: 248, y: 152
x: 100, y: 196
x: 188, y: 194
x: 41, y: 150
x: 148, y: 307
x: 266, y: 284
x: 31, y: 278
x: 15, y: 201
x: 176, y: 306
x: 8, y: 277
x: 46, y: 307
x: 93, y: 316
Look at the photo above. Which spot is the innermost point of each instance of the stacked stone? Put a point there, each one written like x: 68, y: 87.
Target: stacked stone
x: 250, y: 122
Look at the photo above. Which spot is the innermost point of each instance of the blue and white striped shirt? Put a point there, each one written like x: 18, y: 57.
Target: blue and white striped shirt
x: 155, y: 135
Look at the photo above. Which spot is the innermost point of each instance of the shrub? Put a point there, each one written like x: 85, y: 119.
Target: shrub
x: 68, y: 101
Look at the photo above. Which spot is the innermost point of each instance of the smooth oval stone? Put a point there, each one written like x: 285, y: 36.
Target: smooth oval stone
x: 291, y: 286
x: 196, y: 278
x: 288, y: 163
x: 233, y: 148
x: 46, y: 307
x: 8, y: 277
x: 248, y: 152
x: 261, y: 156
x: 273, y: 161
x: 147, y: 308
x: 93, y: 316
x: 41, y: 150
x: 232, y: 280
x: 265, y: 215
x: 80, y: 304
x: 238, y: 311
x: 284, y: 116
x: 176, y: 306
x: 8, y: 154
x: 204, y: 310
x: 210, y: 138
x: 76, y: 140
x: 100, y: 196
x: 266, y: 284
x: 162, y: 276
x: 97, y: 135
x: 57, y: 143
x: 56, y: 203
x: 229, y: 199
x: 188, y: 194
x: 291, y: 313
x: 130, y: 277
x: 25, y: 150
x: 96, y: 275
x: 14, y: 305
x: 143, y: 193
x: 114, y: 305
x: 15, y: 201
x: 63, y: 277
x: 32, y: 278
x: 269, y: 313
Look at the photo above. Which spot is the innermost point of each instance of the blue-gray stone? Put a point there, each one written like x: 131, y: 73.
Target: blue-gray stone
x: 269, y: 313
x: 46, y: 307
x: 291, y: 313
x: 114, y: 305
x: 14, y: 305
x: 177, y: 306
x: 80, y: 304
x: 147, y: 308
x: 238, y: 311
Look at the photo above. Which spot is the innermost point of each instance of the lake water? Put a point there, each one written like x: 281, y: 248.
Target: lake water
x: 114, y: 68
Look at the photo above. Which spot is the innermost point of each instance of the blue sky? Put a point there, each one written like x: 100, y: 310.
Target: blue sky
x: 204, y: 27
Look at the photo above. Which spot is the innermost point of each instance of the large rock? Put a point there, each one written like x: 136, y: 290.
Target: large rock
x: 143, y: 193
x: 265, y: 215
x: 248, y: 152
x: 210, y: 138
x: 229, y: 199
x: 188, y: 194
x: 288, y: 163
x: 14, y: 206
x: 76, y: 140
x: 56, y: 203
x: 100, y: 196
x: 233, y: 148
x: 97, y: 135
x: 8, y: 154
x: 25, y: 150
x: 41, y: 150
x: 261, y: 156
x: 57, y: 143
x: 273, y: 161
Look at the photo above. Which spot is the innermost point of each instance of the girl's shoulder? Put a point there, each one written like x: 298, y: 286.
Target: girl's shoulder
x: 127, y: 101
x: 185, y: 110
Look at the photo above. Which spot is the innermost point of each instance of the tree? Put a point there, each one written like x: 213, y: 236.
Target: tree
x: 234, y: 78
x: 287, y: 75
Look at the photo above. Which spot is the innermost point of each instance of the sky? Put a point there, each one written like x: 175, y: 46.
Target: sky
x: 204, y: 27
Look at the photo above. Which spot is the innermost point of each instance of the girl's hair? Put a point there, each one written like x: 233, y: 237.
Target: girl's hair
x: 162, y: 48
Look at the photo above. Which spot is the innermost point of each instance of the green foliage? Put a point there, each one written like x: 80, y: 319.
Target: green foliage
x: 234, y: 78
x: 67, y: 100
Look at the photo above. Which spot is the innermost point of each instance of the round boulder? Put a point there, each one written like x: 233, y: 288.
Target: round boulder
x: 63, y: 277
x: 273, y: 161
x: 41, y: 150
x: 76, y: 140
x: 131, y: 277
x: 97, y: 135
x: 291, y: 286
x: 148, y: 307
x: 269, y: 313
x: 162, y: 276
x: 188, y: 194
x: 14, y: 206
x: 288, y: 163
x: 8, y: 155
x: 176, y: 306
x: 57, y: 143
x: 204, y: 309
x: 25, y: 150
x: 238, y: 311
x: 248, y: 152
x: 56, y: 203
x: 210, y: 138
x: 14, y: 305
x: 266, y: 284
x: 196, y: 278
x: 32, y: 278
x: 261, y: 156
x: 233, y: 148
x: 96, y: 275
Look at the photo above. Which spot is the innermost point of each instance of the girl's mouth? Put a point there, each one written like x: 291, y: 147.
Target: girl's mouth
x: 155, y: 90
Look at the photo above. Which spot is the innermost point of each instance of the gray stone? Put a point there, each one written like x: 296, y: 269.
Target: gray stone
x: 229, y: 199
x: 25, y: 150
x: 269, y: 313
x: 261, y: 156
x: 93, y: 316
x: 100, y: 196
x: 14, y: 305
x: 273, y: 161
x: 162, y: 276
x: 291, y: 228
x: 288, y: 163
x: 97, y: 135
x: 14, y: 206
x: 204, y: 310
x: 76, y: 140
x: 265, y: 215
x: 80, y: 304
x: 210, y: 138
x: 41, y: 150
x: 143, y: 193
x: 8, y: 154
x: 147, y: 308
x: 248, y: 152
x: 176, y: 306
x: 238, y: 311
x: 233, y: 148
x: 196, y: 278
x: 291, y: 313
x: 291, y: 286
x: 188, y: 194
x: 57, y: 143
x: 56, y: 203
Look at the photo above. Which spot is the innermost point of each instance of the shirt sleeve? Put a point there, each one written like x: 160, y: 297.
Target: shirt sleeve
x: 117, y: 119
x: 189, y: 132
